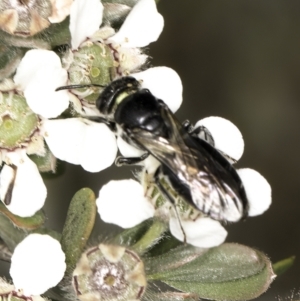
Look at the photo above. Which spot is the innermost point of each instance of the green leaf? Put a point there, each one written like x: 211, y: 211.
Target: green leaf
x: 151, y: 237
x: 171, y: 296
x: 167, y: 243
x: 130, y: 236
x: 10, y: 234
x: 50, y: 232
x: 228, y: 272
x: 28, y: 223
x: 282, y: 266
x: 46, y: 163
x: 78, y: 226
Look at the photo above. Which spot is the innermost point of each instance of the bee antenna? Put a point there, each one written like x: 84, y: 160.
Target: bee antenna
x: 78, y: 87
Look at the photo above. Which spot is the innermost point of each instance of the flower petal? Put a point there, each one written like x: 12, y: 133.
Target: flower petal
x: 38, y: 75
x: 37, y: 264
x: 29, y: 191
x: 164, y: 83
x: 60, y: 10
x: 123, y: 203
x: 128, y: 150
x: 203, y: 232
x: 64, y: 138
x: 79, y: 141
x: 227, y: 137
x: 142, y: 26
x: 99, y: 147
x: 85, y: 19
x: 258, y: 191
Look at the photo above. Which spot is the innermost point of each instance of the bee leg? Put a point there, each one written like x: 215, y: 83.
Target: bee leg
x: 8, y: 196
x: 230, y: 159
x: 170, y: 198
x: 120, y: 161
x: 201, y: 132
x: 187, y: 125
x: 110, y: 125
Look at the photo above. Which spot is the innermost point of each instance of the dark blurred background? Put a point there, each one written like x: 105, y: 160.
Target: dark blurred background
x: 239, y: 60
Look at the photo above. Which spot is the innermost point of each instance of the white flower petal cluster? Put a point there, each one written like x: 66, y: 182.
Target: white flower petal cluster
x: 38, y: 75
x: 37, y: 264
x: 201, y: 231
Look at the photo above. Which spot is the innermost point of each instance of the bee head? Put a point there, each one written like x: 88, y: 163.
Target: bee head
x: 114, y: 93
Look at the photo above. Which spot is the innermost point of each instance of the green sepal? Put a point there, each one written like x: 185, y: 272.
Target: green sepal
x: 47, y: 231
x: 153, y: 235
x: 227, y: 272
x: 26, y: 223
x: 10, y: 234
x: 46, y: 163
x: 130, y: 236
x: 167, y: 243
x: 283, y: 265
x: 5, y: 253
x: 78, y: 226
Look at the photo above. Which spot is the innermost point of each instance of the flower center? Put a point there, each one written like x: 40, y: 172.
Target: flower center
x: 93, y: 64
x: 108, y: 272
x: 109, y: 278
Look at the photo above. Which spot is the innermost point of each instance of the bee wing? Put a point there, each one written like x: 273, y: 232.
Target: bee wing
x: 214, y: 185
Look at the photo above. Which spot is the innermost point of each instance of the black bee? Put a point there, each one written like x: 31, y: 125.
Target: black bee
x: 190, y: 166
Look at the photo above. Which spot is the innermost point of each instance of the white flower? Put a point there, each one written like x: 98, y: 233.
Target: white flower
x: 74, y: 140
x: 37, y: 264
x: 199, y: 230
x: 120, y: 50
x: 28, y: 193
x: 93, y: 145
